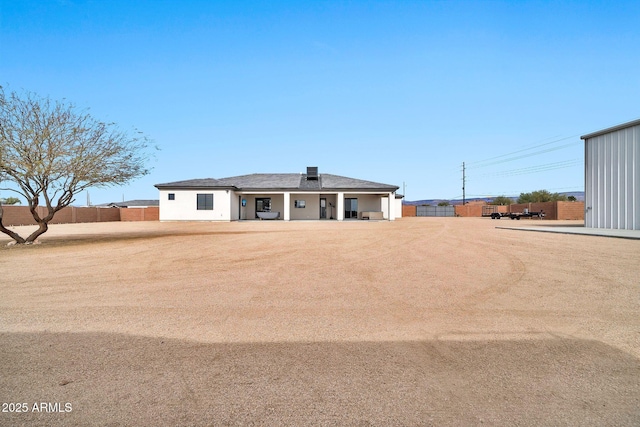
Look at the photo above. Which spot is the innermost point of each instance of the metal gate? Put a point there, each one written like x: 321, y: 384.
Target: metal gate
x: 435, y: 211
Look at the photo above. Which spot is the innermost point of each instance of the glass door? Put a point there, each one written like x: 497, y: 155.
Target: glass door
x: 323, y: 208
x: 351, y: 208
x: 263, y: 205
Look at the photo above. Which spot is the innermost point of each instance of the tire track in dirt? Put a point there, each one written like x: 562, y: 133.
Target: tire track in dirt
x: 517, y: 268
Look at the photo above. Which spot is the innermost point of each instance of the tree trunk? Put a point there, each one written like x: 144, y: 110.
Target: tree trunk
x: 42, y: 228
x: 43, y: 224
x: 14, y: 236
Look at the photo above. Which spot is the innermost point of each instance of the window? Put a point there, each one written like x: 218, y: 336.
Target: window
x: 205, y: 202
x: 300, y: 204
x: 172, y: 196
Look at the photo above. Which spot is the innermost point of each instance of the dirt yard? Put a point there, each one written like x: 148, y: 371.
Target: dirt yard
x: 421, y: 321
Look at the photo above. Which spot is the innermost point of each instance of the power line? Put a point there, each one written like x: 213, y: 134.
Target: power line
x: 514, y: 193
x: 523, y: 150
x: 523, y: 153
x: 548, y: 150
x: 535, y: 169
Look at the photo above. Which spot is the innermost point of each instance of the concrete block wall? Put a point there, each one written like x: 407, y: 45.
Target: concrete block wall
x: 17, y: 215
x: 21, y: 215
x: 552, y: 210
x: 140, y: 214
x: 571, y: 210
x: 469, y: 210
x: 408, y: 210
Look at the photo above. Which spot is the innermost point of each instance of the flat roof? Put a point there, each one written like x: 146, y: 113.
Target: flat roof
x: 611, y: 129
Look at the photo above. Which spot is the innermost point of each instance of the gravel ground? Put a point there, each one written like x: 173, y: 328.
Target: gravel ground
x: 421, y: 321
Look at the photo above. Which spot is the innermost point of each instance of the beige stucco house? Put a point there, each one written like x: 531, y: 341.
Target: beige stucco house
x: 283, y: 196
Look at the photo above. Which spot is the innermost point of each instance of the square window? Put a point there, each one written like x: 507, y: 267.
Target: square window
x: 172, y: 196
x: 205, y: 202
x: 300, y: 204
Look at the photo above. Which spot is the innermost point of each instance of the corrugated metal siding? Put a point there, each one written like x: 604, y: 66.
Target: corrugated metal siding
x: 435, y: 211
x: 612, y: 175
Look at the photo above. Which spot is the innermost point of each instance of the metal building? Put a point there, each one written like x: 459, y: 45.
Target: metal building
x: 612, y: 177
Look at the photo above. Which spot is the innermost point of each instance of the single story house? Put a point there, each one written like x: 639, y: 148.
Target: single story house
x: 130, y: 204
x: 284, y: 196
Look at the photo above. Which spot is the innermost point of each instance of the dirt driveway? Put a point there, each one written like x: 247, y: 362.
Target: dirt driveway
x: 421, y: 321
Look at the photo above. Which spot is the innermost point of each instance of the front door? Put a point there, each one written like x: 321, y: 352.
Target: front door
x: 323, y: 208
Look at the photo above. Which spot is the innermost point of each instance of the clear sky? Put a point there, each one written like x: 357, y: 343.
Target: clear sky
x: 389, y: 91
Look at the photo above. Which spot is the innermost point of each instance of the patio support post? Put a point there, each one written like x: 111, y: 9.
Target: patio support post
x: 287, y: 206
x: 340, y: 207
x: 392, y: 205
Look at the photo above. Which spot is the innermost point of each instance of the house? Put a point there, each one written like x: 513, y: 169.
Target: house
x: 612, y: 171
x: 284, y: 196
x: 130, y: 204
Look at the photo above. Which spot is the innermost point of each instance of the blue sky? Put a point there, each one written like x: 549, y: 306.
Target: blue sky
x: 389, y: 91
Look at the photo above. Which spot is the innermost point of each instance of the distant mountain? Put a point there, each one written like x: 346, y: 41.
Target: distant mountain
x: 434, y: 202
x: 579, y: 195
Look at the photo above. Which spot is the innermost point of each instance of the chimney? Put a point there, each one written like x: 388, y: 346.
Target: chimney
x: 312, y: 173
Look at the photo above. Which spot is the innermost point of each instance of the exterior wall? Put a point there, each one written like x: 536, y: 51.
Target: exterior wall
x: 399, y: 210
x: 236, y: 202
x: 384, y: 207
x: 248, y: 211
x: 184, y: 207
x: 612, y: 179
x: 397, y: 207
x: 277, y: 204
x: 311, y: 209
x: 228, y: 205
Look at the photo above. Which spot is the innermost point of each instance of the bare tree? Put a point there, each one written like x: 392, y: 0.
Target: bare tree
x: 50, y: 151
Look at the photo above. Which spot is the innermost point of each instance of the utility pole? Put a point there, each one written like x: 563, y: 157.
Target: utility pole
x: 464, y: 178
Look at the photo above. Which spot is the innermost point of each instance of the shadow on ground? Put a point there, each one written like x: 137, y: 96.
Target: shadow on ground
x: 86, y: 239
x: 112, y: 379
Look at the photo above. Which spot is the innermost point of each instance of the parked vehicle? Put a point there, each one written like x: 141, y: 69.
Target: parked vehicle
x: 517, y: 215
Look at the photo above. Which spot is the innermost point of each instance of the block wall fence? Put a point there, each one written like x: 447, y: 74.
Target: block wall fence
x: 408, y: 210
x: 20, y: 215
x: 552, y: 210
